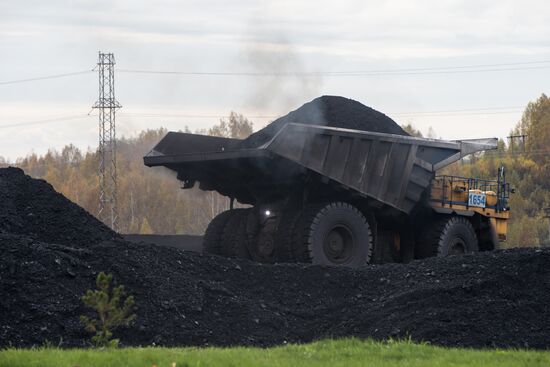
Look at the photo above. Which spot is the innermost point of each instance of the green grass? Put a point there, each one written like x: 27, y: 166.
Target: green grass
x: 345, y: 352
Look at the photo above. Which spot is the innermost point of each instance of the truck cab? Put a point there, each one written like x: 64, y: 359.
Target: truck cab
x: 472, y: 215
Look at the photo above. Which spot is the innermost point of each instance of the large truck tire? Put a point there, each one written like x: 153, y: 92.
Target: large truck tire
x: 450, y: 235
x: 285, y: 240
x: 335, y: 233
x: 211, y: 242
x: 233, y: 238
x: 262, y: 247
x: 299, y: 233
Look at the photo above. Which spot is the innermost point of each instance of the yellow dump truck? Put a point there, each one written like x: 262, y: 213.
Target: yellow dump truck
x: 339, y: 196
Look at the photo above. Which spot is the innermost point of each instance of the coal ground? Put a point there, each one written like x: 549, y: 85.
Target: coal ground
x: 183, y: 298
x: 332, y: 111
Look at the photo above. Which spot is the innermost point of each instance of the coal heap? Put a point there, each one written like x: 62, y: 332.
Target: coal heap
x: 33, y: 208
x: 183, y: 298
x: 332, y: 111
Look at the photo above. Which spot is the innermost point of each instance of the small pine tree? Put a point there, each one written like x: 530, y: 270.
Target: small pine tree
x: 113, y: 309
x: 145, y: 227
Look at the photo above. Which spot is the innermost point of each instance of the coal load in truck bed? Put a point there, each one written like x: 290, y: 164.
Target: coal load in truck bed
x: 33, y: 208
x: 332, y: 111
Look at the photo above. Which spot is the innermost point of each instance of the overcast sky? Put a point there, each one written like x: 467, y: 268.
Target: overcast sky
x: 41, y: 38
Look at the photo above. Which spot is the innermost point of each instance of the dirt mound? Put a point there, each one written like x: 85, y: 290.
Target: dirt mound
x: 331, y: 111
x: 183, y: 298
x: 33, y: 208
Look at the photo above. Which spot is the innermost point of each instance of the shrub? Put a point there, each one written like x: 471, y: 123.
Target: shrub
x: 114, y: 309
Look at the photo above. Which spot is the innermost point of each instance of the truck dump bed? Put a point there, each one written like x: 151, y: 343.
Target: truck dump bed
x: 392, y: 169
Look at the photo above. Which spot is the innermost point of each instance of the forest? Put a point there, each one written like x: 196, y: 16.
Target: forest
x: 150, y: 199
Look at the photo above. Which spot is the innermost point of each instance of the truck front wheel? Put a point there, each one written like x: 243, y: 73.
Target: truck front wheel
x: 452, y: 235
x: 336, y: 234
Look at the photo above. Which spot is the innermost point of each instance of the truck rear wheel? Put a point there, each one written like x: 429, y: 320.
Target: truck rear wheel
x: 233, y: 239
x: 448, y: 236
x: 211, y: 242
x: 335, y: 234
x: 286, y: 241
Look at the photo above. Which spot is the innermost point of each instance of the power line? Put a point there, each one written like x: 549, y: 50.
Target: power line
x: 450, y: 112
x: 45, y: 77
x: 324, y: 73
x: 438, y: 114
x: 407, y: 71
x: 403, y: 114
x: 209, y: 116
x: 474, y: 68
x: 465, y: 110
x: 471, y: 66
x: 46, y: 121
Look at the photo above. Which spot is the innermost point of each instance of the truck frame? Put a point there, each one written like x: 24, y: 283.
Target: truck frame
x: 336, y: 196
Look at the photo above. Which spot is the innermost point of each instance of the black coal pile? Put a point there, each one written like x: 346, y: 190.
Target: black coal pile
x: 332, y: 111
x: 33, y: 208
x: 183, y: 298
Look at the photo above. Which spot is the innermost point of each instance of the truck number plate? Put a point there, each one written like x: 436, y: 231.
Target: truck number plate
x: 478, y: 200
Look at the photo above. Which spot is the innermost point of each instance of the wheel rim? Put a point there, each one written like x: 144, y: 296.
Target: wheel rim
x: 339, y: 244
x: 458, y: 246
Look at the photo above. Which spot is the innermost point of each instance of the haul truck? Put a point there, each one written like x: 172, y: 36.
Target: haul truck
x: 337, y: 196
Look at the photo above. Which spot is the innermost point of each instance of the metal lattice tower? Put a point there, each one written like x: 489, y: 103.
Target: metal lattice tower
x: 107, y: 106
